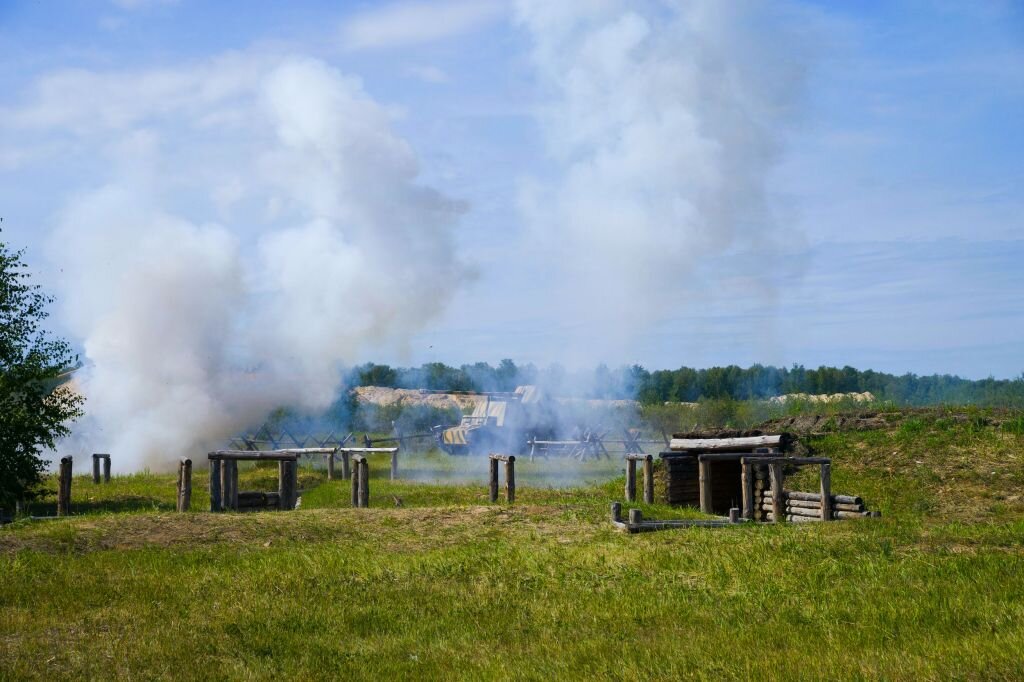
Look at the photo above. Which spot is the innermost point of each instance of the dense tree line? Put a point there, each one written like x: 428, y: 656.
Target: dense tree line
x: 687, y: 384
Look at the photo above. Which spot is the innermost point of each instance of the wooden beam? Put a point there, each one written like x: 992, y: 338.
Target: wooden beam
x: 630, y: 480
x: 724, y: 443
x: 649, y: 479
x: 215, y: 495
x: 826, y: 491
x: 747, y: 482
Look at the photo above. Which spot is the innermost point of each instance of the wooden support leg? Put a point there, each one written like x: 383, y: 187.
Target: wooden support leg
x: 330, y: 467
x: 346, y: 473
x: 775, y: 474
x: 64, y: 487
x: 184, y: 485
x: 355, y: 483
x: 510, y: 480
x: 630, y: 480
x: 747, y: 480
x: 826, y: 492
x: 649, y: 480
x: 704, y: 470
x: 215, y: 494
x: 494, y: 481
x: 364, y: 483
x: 394, y: 465
x: 96, y: 469
x: 106, y: 469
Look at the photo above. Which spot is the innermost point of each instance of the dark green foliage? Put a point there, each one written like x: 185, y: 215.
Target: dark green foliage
x: 687, y: 384
x: 32, y: 413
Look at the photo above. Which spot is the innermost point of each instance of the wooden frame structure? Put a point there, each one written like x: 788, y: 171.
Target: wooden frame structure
x: 362, y: 452
x: 224, y: 493
x: 510, y: 477
x: 96, y: 457
x: 648, y: 462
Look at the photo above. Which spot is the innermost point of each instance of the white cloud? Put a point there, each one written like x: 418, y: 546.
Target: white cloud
x: 411, y: 23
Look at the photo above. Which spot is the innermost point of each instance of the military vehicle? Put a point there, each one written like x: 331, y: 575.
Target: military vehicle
x: 502, y: 422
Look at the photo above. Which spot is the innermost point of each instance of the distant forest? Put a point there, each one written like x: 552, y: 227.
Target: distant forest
x: 692, y: 385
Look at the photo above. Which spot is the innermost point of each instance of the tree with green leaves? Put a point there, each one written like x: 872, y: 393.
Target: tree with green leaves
x: 35, y: 409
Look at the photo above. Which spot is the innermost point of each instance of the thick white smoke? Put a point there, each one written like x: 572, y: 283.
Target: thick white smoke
x: 664, y: 120
x: 238, y: 269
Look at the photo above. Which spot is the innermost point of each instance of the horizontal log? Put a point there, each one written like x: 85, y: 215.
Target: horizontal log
x: 365, y: 450
x: 503, y: 458
x: 793, y: 519
x: 638, y: 458
x: 816, y: 497
x: 253, y: 455
x: 723, y: 443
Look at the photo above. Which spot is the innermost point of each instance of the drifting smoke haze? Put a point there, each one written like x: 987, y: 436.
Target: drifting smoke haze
x: 664, y: 121
x: 256, y: 223
x: 194, y: 327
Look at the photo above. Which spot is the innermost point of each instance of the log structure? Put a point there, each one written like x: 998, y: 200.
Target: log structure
x: 510, y: 477
x: 97, y: 458
x: 348, y: 452
x: 224, y: 492
x: 748, y: 473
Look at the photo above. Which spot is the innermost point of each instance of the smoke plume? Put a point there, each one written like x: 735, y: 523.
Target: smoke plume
x: 664, y: 121
x: 208, y: 292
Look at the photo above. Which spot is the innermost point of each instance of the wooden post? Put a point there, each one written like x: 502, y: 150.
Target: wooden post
x: 95, y: 468
x: 287, y: 480
x: 64, y: 487
x: 734, y: 515
x: 826, y: 492
x: 616, y: 512
x: 330, y: 467
x: 394, y: 465
x: 355, y: 483
x: 510, y: 479
x: 184, y: 485
x: 364, y: 482
x: 704, y: 469
x: 229, y: 484
x: 630, y: 480
x: 215, y: 485
x: 494, y: 480
x: 747, y: 480
x: 636, y: 517
x: 345, y: 471
x: 106, y: 469
x: 293, y: 473
x: 775, y: 473
x: 648, y: 479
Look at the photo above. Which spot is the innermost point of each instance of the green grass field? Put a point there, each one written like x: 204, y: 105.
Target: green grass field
x: 447, y: 586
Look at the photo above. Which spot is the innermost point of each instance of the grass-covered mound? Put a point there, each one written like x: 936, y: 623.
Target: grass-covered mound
x: 446, y: 586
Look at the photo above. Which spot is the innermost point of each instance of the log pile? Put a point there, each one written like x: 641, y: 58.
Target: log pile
x: 800, y: 506
x: 681, y: 481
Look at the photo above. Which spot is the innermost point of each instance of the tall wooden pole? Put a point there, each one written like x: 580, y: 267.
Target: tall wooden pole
x: 215, y: 495
x: 704, y: 470
x: 494, y: 480
x: 185, y: 496
x: 64, y: 487
x: 364, y: 482
x: 747, y: 481
x: 648, y: 479
x: 510, y: 479
x: 630, y: 480
x: 775, y: 473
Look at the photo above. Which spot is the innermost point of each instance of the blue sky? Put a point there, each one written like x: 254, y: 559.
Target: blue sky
x: 885, y: 223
